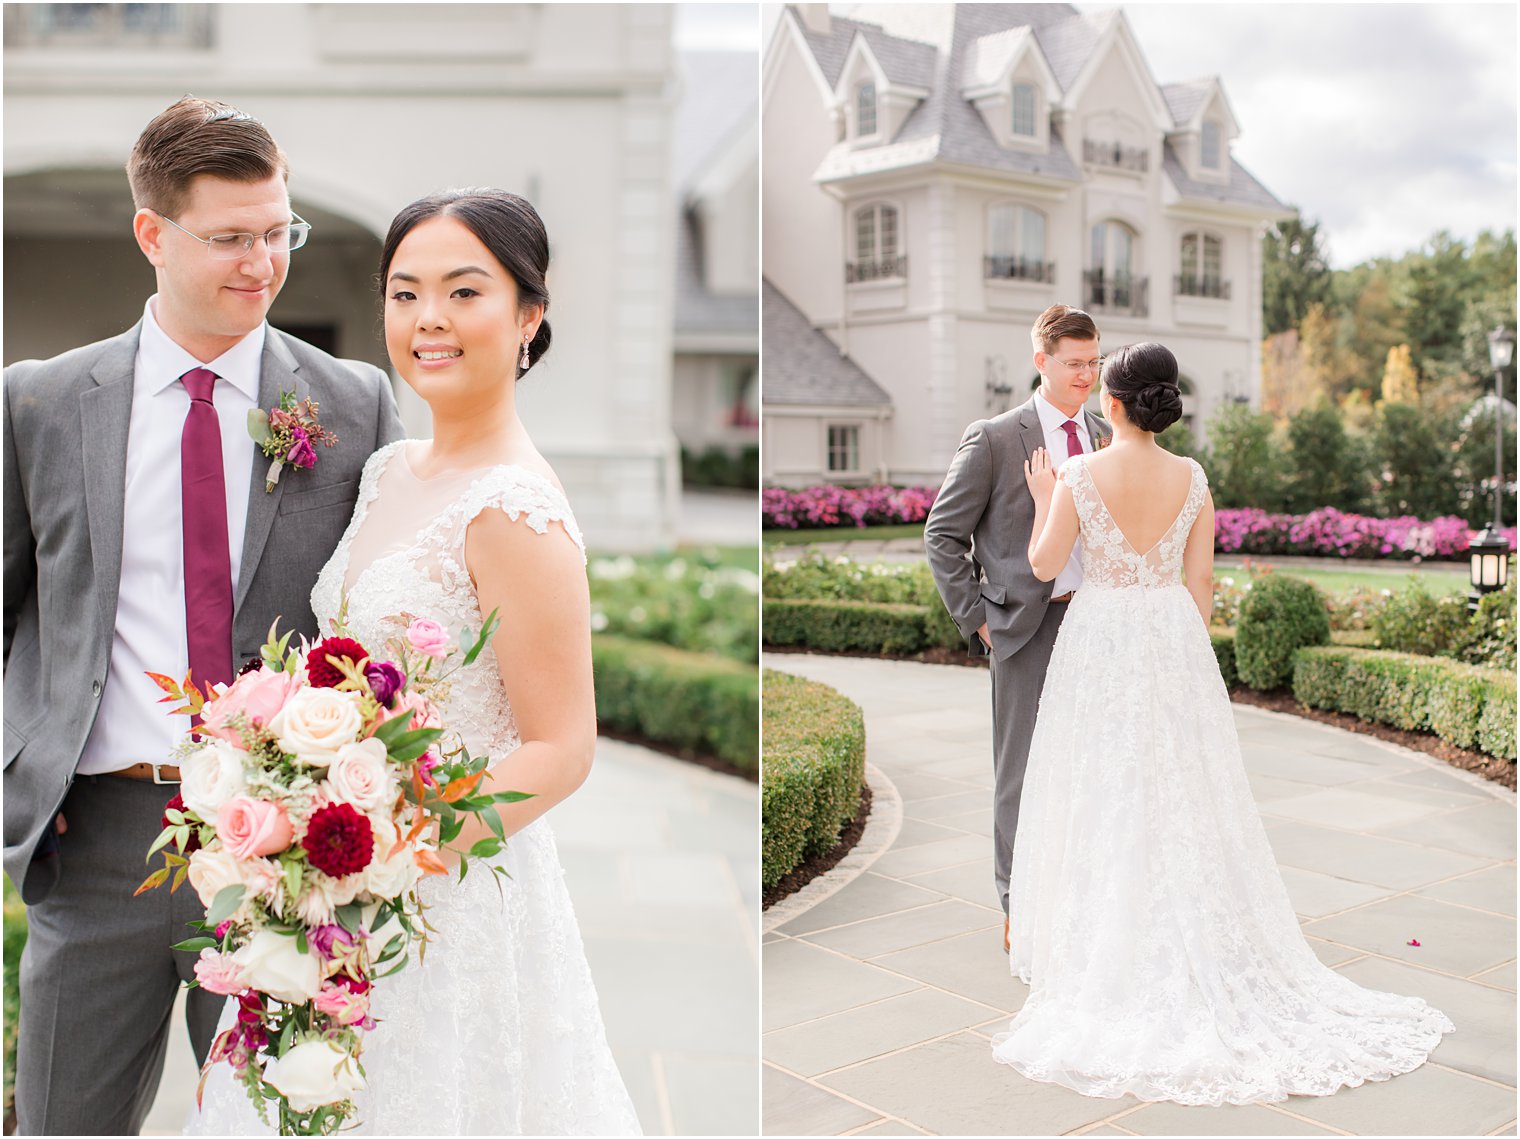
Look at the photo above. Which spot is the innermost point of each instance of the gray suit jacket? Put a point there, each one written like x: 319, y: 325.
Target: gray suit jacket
x: 977, y: 532
x: 64, y: 486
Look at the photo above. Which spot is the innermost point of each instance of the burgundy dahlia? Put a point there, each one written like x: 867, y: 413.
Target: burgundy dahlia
x: 178, y: 804
x: 339, y: 840
x: 319, y: 662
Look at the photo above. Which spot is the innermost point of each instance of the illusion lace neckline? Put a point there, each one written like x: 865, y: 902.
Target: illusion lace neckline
x: 1182, y: 510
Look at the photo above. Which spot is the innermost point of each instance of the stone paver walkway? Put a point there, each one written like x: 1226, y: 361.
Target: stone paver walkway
x: 663, y: 865
x: 880, y: 1002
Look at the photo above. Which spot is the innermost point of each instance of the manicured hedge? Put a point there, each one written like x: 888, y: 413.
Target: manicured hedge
x: 706, y: 703
x: 1465, y: 705
x: 847, y: 626
x: 1281, y: 614
x: 815, y: 761
x: 1224, y: 652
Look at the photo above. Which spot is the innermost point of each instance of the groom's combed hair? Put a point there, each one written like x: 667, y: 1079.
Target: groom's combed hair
x: 1058, y: 321
x: 199, y: 136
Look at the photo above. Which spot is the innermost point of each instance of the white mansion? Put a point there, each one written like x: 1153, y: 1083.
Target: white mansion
x: 935, y: 176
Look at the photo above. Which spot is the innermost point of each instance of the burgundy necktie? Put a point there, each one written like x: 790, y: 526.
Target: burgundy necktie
x: 1073, y: 444
x: 208, y: 564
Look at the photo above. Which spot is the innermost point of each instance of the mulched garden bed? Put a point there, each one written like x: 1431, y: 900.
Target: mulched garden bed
x: 711, y: 762
x: 804, y: 872
x: 1496, y: 770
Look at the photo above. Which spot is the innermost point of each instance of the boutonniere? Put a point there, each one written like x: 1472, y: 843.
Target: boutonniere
x: 288, y: 433
x: 1104, y: 441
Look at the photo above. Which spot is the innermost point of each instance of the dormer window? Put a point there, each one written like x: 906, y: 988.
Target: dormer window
x: 1209, y: 157
x: 1023, y: 110
x: 865, y: 109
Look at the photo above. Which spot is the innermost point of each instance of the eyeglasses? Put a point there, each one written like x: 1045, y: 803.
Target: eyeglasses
x: 232, y: 246
x: 1092, y: 365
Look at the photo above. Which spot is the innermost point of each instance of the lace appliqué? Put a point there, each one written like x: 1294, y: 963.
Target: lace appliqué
x: 1107, y: 557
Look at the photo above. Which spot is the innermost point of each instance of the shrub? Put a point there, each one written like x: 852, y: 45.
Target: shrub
x: 15, y: 941
x: 1489, y: 638
x: 1462, y: 704
x: 1281, y: 614
x: 1332, y: 533
x: 827, y: 506
x: 690, y: 601
x: 721, y: 467
x: 815, y: 755
x: 846, y: 626
x: 1224, y: 652
x: 1412, y: 621
x: 697, y: 701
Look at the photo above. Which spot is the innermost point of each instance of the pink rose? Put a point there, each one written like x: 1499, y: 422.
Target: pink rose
x: 257, y: 695
x: 218, y: 974
x: 342, y: 1003
x: 423, y: 712
x: 252, y: 827
x: 428, y: 637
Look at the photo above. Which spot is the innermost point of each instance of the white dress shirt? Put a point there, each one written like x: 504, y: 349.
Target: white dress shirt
x: 132, y: 727
x: 1051, y: 419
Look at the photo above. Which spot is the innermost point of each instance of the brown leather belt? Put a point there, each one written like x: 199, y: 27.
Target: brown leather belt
x: 1064, y: 597
x: 157, y: 772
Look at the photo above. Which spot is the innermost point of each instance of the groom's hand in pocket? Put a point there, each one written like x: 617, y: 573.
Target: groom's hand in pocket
x: 985, y: 636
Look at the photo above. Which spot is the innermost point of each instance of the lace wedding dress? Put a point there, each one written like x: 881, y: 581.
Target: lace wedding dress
x: 499, y: 1032
x: 1149, y: 918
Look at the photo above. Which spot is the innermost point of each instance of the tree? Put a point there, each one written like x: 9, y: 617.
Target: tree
x: 1400, y: 384
x: 1437, y: 281
x: 1243, y: 466
x: 1412, y: 456
x: 1180, y: 440
x: 1326, y: 465
x: 1475, y: 465
x: 1295, y: 273
x: 1289, y: 380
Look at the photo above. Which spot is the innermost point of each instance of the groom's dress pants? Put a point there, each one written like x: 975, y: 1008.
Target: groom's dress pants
x: 98, y: 978
x: 1017, y: 682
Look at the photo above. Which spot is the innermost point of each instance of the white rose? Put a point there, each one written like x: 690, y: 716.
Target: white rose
x: 388, y: 877
x: 316, y: 723
x: 313, y: 1074
x: 211, y: 776
x: 211, y: 872
x: 360, y: 775
x: 272, y: 963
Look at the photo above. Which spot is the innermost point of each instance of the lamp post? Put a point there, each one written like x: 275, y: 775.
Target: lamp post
x: 1489, y: 551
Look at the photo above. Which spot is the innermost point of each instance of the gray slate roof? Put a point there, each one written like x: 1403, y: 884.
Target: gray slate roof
x: 719, y: 91
x: 1184, y: 99
x: 697, y: 309
x: 1242, y: 190
x: 803, y: 366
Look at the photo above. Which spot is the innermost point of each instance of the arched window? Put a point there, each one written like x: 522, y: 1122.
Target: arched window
x: 865, y: 109
x: 1111, y: 279
x: 1016, y: 244
x: 876, y: 245
x: 1023, y: 110
x: 1210, y: 158
x: 1202, y: 266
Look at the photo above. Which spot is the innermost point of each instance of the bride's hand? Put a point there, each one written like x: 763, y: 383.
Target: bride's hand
x: 1040, y: 475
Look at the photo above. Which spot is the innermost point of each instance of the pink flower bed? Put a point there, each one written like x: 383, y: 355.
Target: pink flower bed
x: 1325, y: 533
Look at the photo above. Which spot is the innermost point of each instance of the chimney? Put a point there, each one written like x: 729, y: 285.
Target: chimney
x: 815, y: 18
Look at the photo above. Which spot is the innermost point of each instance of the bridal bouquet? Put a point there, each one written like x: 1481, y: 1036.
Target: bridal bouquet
x: 314, y: 788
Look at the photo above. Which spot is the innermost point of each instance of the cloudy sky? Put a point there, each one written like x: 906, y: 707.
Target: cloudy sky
x: 1386, y: 122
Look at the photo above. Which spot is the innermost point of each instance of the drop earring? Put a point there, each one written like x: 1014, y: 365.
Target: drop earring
x: 525, y: 363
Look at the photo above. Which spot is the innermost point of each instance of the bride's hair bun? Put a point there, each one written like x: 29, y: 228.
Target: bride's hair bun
x: 1143, y: 377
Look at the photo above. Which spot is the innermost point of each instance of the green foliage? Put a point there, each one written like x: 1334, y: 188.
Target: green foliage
x: 1243, y: 464
x: 1474, y: 467
x: 1280, y: 615
x: 1180, y: 440
x: 816, y: 577
x: 692, y: 601
x: 1412, y: 456
x: 846, y: 626
x: 1490, y: 636
x: 1412, y: 621
x: 1295, y: 273
x: 722, y: 467
x: 844, y: 606
x: 1466, y: 706
x: 697, y: 701
x: 815, y: 755
x: 1326, y: 465
x: 1224, y: 651
x: 15, y: 941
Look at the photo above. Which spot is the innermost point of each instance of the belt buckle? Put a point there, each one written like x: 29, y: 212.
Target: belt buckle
x: 158, y: 775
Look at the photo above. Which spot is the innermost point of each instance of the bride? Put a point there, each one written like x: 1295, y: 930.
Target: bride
x: 499, y: 1031
x: 1162, y: 954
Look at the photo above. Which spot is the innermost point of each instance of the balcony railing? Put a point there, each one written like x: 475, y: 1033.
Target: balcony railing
x: 1019, y: 269
x: 1116, y: 155
x: 1193, y: 286
x: 124, y: 27
x: 1119, y: 293
x: 883, y: 268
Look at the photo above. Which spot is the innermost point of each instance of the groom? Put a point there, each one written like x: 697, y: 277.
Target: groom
x: 977, y: 538
x: 139, y: 536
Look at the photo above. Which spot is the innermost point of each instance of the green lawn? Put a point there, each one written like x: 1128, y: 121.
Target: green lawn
x: 1439, y: 582
x: 914, y: 530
